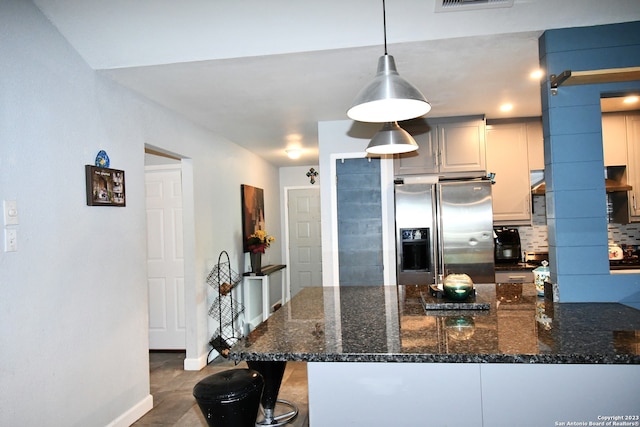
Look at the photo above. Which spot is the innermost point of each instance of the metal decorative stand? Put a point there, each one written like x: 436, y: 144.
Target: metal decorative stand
x: 224, y: 309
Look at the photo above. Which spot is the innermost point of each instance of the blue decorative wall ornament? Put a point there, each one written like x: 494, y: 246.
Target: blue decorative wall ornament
x: 102, y: 159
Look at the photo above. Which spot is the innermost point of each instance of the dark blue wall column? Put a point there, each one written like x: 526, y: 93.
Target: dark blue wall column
x: 574, y: 167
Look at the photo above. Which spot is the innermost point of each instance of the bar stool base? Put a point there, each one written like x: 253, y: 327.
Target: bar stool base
x: 270, y: 419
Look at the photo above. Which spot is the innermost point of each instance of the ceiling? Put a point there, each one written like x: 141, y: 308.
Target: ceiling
x: 262, y: 74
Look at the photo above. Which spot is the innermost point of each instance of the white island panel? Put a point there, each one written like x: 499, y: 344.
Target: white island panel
x: 560, y: 395
x: 394, y: 394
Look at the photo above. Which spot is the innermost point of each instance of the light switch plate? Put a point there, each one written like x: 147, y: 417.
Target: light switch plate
x: 10, y: 212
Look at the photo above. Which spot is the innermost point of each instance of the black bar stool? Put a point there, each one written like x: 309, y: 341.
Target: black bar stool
x: 272, y: 372
x: 230, y: 398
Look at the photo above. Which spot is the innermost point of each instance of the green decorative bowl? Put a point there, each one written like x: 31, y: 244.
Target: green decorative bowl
x: 457, y: 287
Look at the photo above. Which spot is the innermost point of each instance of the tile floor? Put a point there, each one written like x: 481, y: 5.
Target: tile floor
x: 172, y: 390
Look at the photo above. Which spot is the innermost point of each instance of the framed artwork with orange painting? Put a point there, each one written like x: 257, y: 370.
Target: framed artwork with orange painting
x: 252, y: 212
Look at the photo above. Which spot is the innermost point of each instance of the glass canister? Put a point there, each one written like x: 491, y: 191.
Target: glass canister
x: 540, y: 276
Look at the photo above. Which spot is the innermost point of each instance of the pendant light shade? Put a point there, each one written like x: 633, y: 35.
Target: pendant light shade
x: 392, y: 139
x: 388, y: 98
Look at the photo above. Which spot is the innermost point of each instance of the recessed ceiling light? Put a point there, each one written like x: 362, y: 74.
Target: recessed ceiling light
x: 631, y: 99
x: 506, y: 107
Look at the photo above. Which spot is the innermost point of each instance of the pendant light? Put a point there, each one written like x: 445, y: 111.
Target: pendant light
x: 389, y: 97
x: 392, y: 139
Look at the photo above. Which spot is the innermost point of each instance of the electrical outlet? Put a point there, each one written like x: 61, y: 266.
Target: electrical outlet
x: 10, y: 240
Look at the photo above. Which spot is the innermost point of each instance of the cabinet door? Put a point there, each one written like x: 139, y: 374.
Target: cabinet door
x: 633, y: 168
x: 614, y: 139
x: 507, y: 157
x: 421, y: 161
x: 450, y: 144
x: 461, y: 146
x: 535, y: 145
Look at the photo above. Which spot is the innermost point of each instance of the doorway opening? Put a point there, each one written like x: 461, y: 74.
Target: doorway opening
x: 184, y: 315
x: 304, y: 241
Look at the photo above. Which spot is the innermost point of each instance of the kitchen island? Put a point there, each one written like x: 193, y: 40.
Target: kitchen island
x: 378, y: 357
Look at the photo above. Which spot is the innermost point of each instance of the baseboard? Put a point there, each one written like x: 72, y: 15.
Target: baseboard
x: 134, y: 413
x: 191, y: 364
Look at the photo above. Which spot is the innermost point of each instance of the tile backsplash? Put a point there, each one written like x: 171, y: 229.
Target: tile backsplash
x: 625, y: 234
x: 534, y: 237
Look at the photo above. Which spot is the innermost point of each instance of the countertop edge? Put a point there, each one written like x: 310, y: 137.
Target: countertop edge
x: 548, y: 359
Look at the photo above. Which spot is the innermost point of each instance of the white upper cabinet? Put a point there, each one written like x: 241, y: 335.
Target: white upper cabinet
x: 508, y: 158
x: 535, y: 144
x: 614, y: 139
x: 462, y: 145
x: 633, y: 168
x: 447, y: 145
x: 425, y: 159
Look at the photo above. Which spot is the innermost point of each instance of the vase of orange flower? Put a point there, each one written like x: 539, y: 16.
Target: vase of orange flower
x: 257, y: 243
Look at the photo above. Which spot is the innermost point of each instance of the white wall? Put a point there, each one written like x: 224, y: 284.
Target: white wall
x: 293, y: 177
x: 73, y: 298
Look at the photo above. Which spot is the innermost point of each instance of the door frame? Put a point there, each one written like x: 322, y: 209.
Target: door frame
x: 193, y: 361
x: 172, y: 167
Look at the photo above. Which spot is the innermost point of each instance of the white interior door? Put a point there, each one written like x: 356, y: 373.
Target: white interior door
x: 305, y: 245
x: 165, y: 260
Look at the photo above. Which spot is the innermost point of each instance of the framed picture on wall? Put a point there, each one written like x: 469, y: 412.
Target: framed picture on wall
x: 105, y: 187
x: 252, y: 212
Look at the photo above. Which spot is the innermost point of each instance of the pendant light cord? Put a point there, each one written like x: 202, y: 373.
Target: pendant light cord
x: 384, y: 25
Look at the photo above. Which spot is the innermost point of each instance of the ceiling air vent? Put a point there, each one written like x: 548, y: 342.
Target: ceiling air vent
x: 459, y: 5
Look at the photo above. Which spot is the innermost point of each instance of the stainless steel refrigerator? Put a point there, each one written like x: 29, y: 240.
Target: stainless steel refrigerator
x: 442, y: 228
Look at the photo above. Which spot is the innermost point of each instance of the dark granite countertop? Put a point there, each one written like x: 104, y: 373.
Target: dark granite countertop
x: 390, y: 324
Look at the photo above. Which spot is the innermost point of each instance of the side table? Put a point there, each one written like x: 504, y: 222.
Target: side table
x: 251, y: 318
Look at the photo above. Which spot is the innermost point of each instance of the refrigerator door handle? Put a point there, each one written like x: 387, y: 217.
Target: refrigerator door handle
x: 439, y: 273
